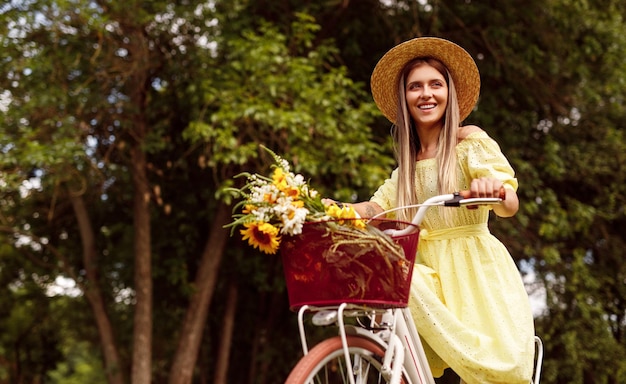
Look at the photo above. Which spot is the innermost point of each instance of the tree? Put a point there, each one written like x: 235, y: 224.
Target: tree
x: 290, y: 103
x: 572, y: 186
x: 123, y: 122
x: 552, y: 93
x: 83, y: 73
x: 104, y: 130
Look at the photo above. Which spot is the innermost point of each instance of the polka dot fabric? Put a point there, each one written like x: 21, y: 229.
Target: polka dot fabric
x: 467, y: 297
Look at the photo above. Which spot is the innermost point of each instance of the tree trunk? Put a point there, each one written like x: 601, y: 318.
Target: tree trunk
x: 275, y: 308
x: 254, y: 353
x: 259, y: 367
x: 136, y: 86
x: 142, y: 326
x: 112, y: 366
x: 223, y: 356
x: 195, y: 319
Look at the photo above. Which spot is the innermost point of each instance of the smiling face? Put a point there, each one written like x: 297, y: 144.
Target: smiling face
x: 426, y: 95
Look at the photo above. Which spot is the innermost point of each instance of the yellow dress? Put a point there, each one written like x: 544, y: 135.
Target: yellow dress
x: 467, y: 297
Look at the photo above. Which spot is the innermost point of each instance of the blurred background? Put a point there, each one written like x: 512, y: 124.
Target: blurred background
x: 123, y: 124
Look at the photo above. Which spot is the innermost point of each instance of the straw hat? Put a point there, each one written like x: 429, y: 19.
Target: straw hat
x: 462, y: 68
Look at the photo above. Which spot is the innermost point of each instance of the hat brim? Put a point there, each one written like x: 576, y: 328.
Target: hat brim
x: 463, y: 69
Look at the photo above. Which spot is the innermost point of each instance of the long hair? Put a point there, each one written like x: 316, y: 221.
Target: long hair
x: 407, y: 144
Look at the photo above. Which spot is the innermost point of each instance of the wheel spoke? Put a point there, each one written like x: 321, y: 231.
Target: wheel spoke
x: 326, y: 363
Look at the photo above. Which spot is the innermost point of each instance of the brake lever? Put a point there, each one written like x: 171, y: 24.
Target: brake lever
x: 455, y: 201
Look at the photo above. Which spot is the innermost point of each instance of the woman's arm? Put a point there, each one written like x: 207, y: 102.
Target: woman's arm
x: 367, y: 209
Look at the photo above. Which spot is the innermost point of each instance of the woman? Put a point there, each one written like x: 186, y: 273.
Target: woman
x: 467, y: 297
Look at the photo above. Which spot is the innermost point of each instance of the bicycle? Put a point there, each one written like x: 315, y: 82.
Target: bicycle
x: 382, y: 344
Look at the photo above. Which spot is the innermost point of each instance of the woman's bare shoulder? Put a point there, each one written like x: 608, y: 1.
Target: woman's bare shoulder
x: 467, y: 130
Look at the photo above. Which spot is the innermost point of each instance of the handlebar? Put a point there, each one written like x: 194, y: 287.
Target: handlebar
x: 456, y: 199
x: 463, y: 198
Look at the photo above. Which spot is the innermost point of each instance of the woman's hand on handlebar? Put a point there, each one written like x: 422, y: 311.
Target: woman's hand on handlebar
x: 327, y: 201
x: 490, y: 187
x: 485, y: 187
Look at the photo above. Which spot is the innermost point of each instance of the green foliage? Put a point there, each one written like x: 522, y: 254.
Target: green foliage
x: 80, y: 366
x: 30, y: 335
x: 282, y: 94
x: 290, y: 75
x: 552, y: 83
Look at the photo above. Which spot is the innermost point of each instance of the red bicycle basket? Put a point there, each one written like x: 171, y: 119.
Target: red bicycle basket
x: 321, y: 272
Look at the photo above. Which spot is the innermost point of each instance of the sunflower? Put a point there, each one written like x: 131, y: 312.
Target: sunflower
x: 280, y: 205
x: 262, y: 235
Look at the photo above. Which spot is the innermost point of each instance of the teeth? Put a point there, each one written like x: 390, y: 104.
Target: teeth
x: 427, y: 106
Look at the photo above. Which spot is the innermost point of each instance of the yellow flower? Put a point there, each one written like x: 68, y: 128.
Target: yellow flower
x: 361, y: 224
x: 248, y: 208
x: 333, y: 210
x: 279, y: 178
x: 346, y: 212
x: 263, y: 236
x: 290, y: 191
x: 269, y: 198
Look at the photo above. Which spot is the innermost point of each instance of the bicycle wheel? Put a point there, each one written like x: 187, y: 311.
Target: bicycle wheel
x: 326, y: 363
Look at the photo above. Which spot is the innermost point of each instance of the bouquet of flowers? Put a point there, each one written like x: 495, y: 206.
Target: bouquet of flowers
x: 280, y: 205
x: 330, y: 254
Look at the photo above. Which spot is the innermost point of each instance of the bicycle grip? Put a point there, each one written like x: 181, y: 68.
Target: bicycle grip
x: 468, y: 194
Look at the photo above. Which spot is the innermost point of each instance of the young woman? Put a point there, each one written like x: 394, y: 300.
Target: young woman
x: 467, y: 296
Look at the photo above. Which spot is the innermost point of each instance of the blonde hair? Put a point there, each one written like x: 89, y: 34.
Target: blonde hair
x: 407, y: 144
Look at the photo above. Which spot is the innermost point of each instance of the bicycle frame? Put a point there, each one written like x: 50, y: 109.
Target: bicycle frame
x: 396, y: 334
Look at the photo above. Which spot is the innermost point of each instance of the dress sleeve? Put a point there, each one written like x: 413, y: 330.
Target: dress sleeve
x: 485, y: 159
x: 385, y: 196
